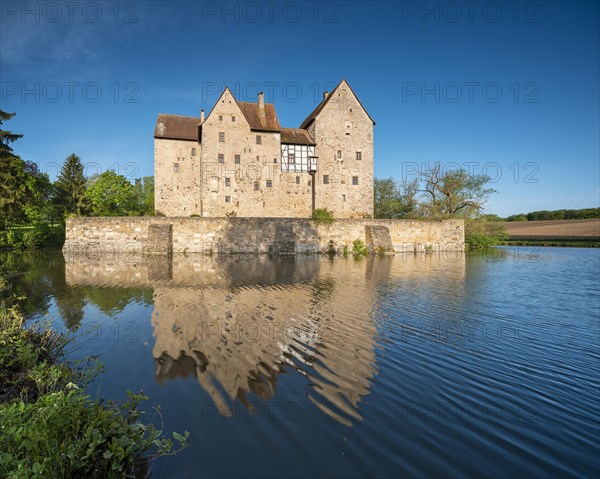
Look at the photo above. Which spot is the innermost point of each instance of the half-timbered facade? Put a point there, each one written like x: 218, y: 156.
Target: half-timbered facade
x: 239, y: 161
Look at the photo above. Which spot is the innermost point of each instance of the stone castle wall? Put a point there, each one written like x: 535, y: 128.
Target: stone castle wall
x: 342, y: 129
x: 177, y: 188
x: 149, y: 234
x: 210, y: 183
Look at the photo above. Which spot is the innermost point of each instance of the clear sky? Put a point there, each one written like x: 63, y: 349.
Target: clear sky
x: 510, y: 89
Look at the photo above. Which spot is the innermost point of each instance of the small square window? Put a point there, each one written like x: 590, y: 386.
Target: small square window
x: 176, y: 167
x: 339, y: 153
x: 228, y: 199
x: 221, y: 137
x: 297, y: 180
x: 258, y: 140
x: 221, y: 158
x: 227, y: 181
x: 193, y: 151
x: 233, y: 118
x: 256, y: 186
x: 344, y: 197
x: 275, y: 160
x: 325, y: 179
x: 269, y: 183
x: 358, y: 155
x: 220, y: 117
x: 237, y: 159
x: 355, y: 180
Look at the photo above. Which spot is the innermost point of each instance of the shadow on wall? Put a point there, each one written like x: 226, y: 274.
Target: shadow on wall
x: 277, y: 236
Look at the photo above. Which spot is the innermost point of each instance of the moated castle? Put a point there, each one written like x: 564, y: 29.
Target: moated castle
x: 239, y: 160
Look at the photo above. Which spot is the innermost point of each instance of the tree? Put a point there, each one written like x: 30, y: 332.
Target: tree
x: 144, y: 195
x: 39, y: 186
x: 13, y: 189
x: 70, y: 187
x: 6, y: 137
x: 454, y: 193
x: 17, y: 186
x: 111, y: 195
x: 393, y: 200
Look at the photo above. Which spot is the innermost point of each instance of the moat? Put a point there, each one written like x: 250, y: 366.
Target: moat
x: 409, y: 365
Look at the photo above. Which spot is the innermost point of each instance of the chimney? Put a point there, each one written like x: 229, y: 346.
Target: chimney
x: 325, y: 93
x: 201, y: 116
x: 261, y: 104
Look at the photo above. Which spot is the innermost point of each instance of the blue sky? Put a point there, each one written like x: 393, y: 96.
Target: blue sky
x: 504, y: 88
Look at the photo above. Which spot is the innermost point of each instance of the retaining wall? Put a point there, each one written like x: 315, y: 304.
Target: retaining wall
x: 150, y: 234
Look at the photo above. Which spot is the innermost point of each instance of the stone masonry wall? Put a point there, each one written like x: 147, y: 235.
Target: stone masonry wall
x: 129, y: 235
x: 341, y: 130
x: 177, y: 193
x: 256, y: 186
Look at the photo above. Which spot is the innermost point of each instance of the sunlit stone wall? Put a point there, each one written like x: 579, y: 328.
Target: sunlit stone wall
x: 129, y: 235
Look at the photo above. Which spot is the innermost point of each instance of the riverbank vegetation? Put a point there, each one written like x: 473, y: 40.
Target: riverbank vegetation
x: 51, y: 427
x: 436, y: 194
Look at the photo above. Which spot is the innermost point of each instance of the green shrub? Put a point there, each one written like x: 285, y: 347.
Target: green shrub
x: 322, y: 216
x: 41, y: 235
x: 49, y: 427
x: 359, y: 248
x: 483, y: 234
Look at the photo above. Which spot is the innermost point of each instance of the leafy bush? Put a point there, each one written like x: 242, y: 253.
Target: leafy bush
x: 11, y: 238
x: 41, y: 235
x: 359, y: 248
x: 322, y: 216
x: 49, y: 427
x: 483, y: 234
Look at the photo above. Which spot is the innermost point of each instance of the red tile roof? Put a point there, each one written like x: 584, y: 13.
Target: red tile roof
x: 268, y: 122
x: 176, y: 127
x: 296, y: 136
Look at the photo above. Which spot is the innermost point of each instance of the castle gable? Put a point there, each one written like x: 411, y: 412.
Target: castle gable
x: 227, y: 105
x: 342, y: 86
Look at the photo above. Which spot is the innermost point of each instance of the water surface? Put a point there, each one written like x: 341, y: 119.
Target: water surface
x: 416, y: 365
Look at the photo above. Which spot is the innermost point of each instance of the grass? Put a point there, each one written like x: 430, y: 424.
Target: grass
x: 49, y: 425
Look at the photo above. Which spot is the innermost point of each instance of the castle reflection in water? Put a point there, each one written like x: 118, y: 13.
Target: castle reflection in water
x: 236, y: 323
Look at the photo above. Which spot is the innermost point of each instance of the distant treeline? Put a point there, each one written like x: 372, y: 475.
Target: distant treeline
x: 582, y: 214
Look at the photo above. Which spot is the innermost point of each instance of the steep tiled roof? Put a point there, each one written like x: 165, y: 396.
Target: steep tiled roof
x: 176, y: 127
x: 268, y: 123
x: 296, y: 136
x: 309, y: 119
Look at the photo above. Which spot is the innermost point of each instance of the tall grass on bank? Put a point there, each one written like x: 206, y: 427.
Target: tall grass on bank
x: 49, y: 425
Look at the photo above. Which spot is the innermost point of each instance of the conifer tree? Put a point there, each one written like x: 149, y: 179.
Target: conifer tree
x: 70, y: 187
